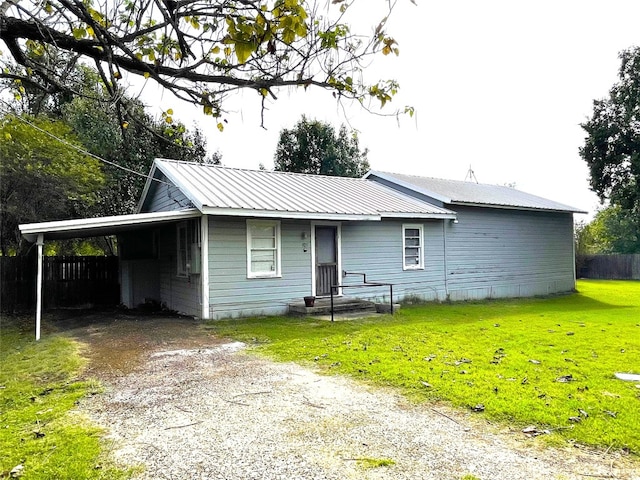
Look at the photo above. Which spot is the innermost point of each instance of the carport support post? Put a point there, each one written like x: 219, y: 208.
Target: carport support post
x: 204, y: 265
x: 40, y: 244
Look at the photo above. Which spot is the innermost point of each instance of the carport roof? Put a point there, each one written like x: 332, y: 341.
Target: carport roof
x: 94, y: 227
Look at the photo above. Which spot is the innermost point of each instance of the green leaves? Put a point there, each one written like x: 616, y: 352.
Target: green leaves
x: 43, y: 176
x: 384, y: 91
x: 192, y: 48
x: 315, y: 147
x: 612, y: 146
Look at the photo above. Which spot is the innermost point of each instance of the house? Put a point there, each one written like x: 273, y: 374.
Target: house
x: 218, y: 242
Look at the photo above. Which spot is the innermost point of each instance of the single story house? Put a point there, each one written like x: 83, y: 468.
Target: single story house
x: 217, y: 242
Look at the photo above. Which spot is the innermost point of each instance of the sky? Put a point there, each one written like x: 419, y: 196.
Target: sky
x: 499, y: 87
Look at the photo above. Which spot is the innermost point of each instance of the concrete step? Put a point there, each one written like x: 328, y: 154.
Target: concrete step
x: 322, y: 306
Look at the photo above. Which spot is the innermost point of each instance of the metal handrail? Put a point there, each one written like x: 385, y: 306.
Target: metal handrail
x: 364, y: 284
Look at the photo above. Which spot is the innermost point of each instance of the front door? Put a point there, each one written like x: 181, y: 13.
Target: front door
x: 326, y: 259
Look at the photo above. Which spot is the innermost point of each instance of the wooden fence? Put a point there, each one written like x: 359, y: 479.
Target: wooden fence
x: 612, y: 267
x: 68, y: 282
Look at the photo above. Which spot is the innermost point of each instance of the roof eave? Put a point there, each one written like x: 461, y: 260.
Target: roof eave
x: 30, y: 231
x: 517, y: 207
x: 433, y: 216
x: 243, y: 212
x: 197, y: 202
x: 147, y: 187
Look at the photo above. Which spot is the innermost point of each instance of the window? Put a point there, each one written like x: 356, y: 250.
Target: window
x: 412, y: 242
x: 188, y: 233
x: 263, y: 248
x: 183, y: 251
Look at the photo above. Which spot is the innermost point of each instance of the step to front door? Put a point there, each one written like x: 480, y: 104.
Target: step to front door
x: 322, y: 306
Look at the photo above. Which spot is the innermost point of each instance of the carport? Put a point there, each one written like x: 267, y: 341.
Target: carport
x: 38, y: 233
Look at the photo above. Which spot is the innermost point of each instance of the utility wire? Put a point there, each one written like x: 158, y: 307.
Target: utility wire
x: 85, y: 152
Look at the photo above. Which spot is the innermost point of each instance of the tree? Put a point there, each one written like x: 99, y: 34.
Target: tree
x: 132, y: 149
x: 41, y: 178
x: 315, y: 147
x: 128, y: 149
x: 200, y: 50
x: 612, y: 145
x: 613, y: 230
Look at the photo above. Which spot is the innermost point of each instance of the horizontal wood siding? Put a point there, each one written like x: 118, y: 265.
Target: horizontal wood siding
x: 490, y: 253
x: 165, y: 197
x: 375, y: 248
x: 493, y: 253
x: 182, y: 294
x: 232, y: 294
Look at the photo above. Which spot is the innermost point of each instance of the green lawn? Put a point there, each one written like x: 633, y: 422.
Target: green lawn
x: 39, y: 430
x: 547, y: 362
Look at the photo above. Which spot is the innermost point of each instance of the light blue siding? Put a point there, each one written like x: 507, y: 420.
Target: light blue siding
x: 375, y: 248
x: 490, y: 253
x: 232, y: 294
x: 181, y: 294
x: 493, y: 253
x: 164, y: 196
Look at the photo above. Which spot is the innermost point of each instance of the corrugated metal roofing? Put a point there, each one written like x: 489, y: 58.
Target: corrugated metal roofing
x: 221, y: 190
x: 456, y: 192
x: 97, y: 226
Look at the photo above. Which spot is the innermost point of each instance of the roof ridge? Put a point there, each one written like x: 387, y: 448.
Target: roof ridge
x: 252, y: 170
x: 444, y: 179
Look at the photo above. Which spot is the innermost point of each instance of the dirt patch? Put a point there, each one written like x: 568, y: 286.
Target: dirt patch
x: 119, y: 342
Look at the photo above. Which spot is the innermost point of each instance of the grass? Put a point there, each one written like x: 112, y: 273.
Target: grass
x: 367, y: 462
x: 543, y: 362
x: 39, y: 429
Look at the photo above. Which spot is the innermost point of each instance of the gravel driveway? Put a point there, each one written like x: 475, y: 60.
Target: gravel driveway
x: 191, y: 406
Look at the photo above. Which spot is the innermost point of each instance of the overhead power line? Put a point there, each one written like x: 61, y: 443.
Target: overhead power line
x: 85, y: 152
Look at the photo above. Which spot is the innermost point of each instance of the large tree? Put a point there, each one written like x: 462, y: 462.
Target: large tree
x: 200, y: 50
x: 612, y: 145
x: 127, y: 149
x: 315, y: 147
x: 612, y: 230
x: 43, y: 176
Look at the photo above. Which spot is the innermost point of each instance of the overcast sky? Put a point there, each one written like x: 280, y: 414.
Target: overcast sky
x: 498, y: 86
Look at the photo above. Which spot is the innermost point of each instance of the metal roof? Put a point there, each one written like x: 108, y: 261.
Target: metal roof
x: 454, y: 192
x: 219, y: 190
x: 97, y: 226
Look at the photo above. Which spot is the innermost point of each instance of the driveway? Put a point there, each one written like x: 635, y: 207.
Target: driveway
x: 184, y: 404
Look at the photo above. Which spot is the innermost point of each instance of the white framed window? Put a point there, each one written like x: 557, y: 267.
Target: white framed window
x: 188, y: 233
x: 263, y: 248
x: 412, y: 247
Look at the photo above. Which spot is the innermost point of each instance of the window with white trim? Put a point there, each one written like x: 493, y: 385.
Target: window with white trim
x: 263, y: 248
x: 412, y: 247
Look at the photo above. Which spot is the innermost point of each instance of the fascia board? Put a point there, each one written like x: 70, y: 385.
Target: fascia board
x: 441, y: 216
x: 241, y: 212
x: 178, y: 183
x: 31, y: 230
x: 515, y: 207
x: 147, y: 187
